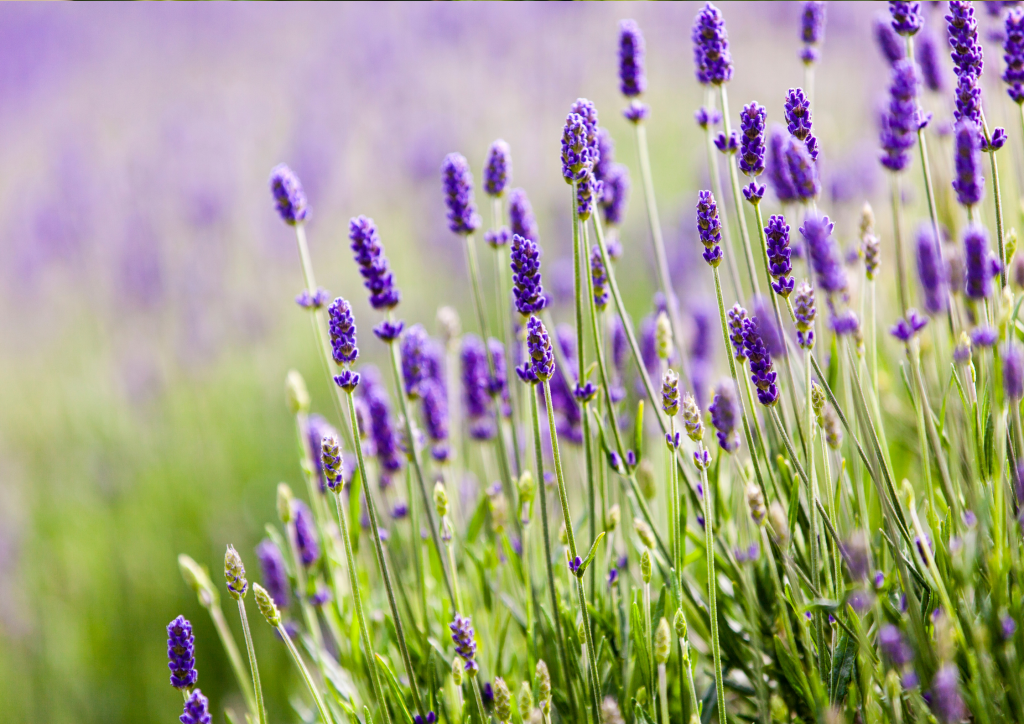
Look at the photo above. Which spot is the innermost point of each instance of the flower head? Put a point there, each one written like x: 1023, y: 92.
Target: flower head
x: 946, y: 702
x: 711, y: 47
x: 969, y: 183
x: 760, y: 361
x: 776, y: 166
x: 779, y: 265
x: 1013, y: 54
x: 804, y: 311
x: 889, y: 42
x: 275, y: 575
x: 709, y: 228
x: 373, y: 265
x: 457, y: 181
x: 907, y: 17
x: 670, y: 392
x: 692, y: 419
x: 737, y: 316
x: 288, y: 195
x: 632, y: 79
x: 931, y: 271
x: 475, y: 394
x: 968, y: 59
x: 980, y: 264
x: 539, y: 345
x: 724, y: 413
x: 752, y: 121
x: 927, y: 50
x: 824, y: 257
x: 305, y: 534
x: 381, y: 429
x: 802, y: 171
x: 181, y: 653
x: 197, y: 709
x: 615, y: 187
x: 526, y: 283
x: 435, y: 417
x: 498, y: 171
x: 1013, y: 371
x: 342, y: 328
x: 465, y: 645
x: 575, y: 152
x: 894, y: 648
x: 901, y: 122
x: 414, y: 362
x: 330, y: 456
x: 812, y: 30
x: 234, y: 574
x: 905, y: 329
x: 520, y: 216
x: 798, y: 114
x: 599, y: 278
x: 588, y: 192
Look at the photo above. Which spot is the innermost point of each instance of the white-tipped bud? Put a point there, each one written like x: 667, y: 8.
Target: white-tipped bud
x: 525, y: 700
x: 198, y: 579
x: 543, y: 681
x: 284, y: 503
x: 662, y: 641
x: 457, y: 671
x: 644, y: 533
x: 646, y: 568
x: 295, y: 392
x: 611, y: 521
x: 663, y: 335
x: 266, y: 605
x: 780, y: 523
x: 440, y: 499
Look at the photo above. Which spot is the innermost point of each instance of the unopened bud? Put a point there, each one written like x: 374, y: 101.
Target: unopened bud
x: 525, y: 700
x: 780, y: 523
x: 543, y: 680
x: 502, y: 701
x: 755, y: 501
x: 645, y: 566
x: 234, y: 574
x: 526, y: 486
x: 641, y: 695
x: 611, y: 521
x: 197, y: 578
x: 284, y: 503
x: 867, y: 220
x: 457, y: 671
x: 266, y: 605
x: 817, y: 399
x: 663, y: 335
x: 449, y: 324
x: 440, y: 499
x: 645, y: 479
x: 295, y: 392
x: 563, y: 537
x: 581, y: 632
x: 610, y: 712
x: 662, y: 641
x: 679, y: 623
x: 644, y: 533
x: 1010, y: 245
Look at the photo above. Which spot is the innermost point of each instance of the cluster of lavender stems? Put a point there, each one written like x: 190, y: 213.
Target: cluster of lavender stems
x: 811, y: 518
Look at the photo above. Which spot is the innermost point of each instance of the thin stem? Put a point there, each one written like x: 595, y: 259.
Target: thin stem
x: 812, y: 500
x: 736, y: 198
x: 305, y: 674
x: 260, y: 706
x: 997, y: 199
x: 709, y: 551
x: 227, y: 639
x: 663, y: 693
x: 902, y: 284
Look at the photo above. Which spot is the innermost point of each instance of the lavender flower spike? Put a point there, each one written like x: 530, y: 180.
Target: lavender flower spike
x: 776, y: 167
x: 342, y: 327
x: 798, y: 114
x: 373, y: 265
x: 197, y: 709
x: 752, y: 122
x: 305, y: 535
x: 946, y: 703
x: 181, y: 653
x: 414, y: 350
x: 526, y: 284
x: 538, y: 342
x: 927, y: 51
x: 670, y: 392
x: 1013, y: 371
x: 968, y: 59
x: 980, y: 264
x: 599, y: 278
x: 1013, y: 54
x: 969, y: 183
x: 779, y: 265
x: 812, y: 30
x: 901, y: 122
x: 498, y: 171
x: 804, y: 311
x: 275, y: 575
x: 802, y: 171
x: 724, y: 414
x: 475, y: 393
x: 737, y: 316
x: 824, y: 257
x: 907, y: 18
x: 709, y: 228
x: 761, y: 373
x: 711, y: 47
x: 288, y: 194
x: 888, y: 41
x: 330, y: 459
x: 613, y: 200
x: 457, y: 181
x: 465, y: 644
x: 931, y: 271
x: 575, y: 152
x: 632, y: 79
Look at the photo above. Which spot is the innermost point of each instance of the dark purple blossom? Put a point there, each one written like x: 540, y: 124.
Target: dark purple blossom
x: 520, y: 216
x: 728, y: 144
x: 588, y: 192
x: 709, y: 228
x: 724, y: 409
x: 475, y: 393
x: 931, y: 271
x: 373, y: 265
x: 905, y: 329
x: 632, y: 79
x: 752, y: 121
x: 802, y: 171
x: 968, y: 59
x: 413, y: 353
x: 824, y: 256
x: 844, y: 323
x: 599, y: 278
x: 812, y: 30
x: 902, y: 120
x: 342, y: 328
x: 969, y: 183
x: 275, y: 575
x: 983, y: 336
x: 496, y: 238
x: 388, y: 330
x: 587, y: 111
x: 465, y: 643
x: 779, y: 264
x: 777, y: 168
x: 435, y: 417
x: 181, y: 653
x: 197, y: 709
x: 539, y: 345
x: 526, y: 283
x: 316, y: 300
x: 768, y: 327
x: 616, y: 191
x: 929, y: 60
x: 907, y: 17
x: 980, y: 264
x: 575, y: 153
x: 711, y: 47
x: 330, y: 461
x: 605, y: 154
x: 288, y: 195
x: 1013, y: 54
x: 798, y: 114
x: 889, y: 42
x: 317, y: 428
x: 760, y: 360
x: 498, y: 171
x: 636, y: 111
x: 946, y: 703
x: 707, y: 117
x: 737, y: 316
x: 1013, y: 371
x: 305, y: 535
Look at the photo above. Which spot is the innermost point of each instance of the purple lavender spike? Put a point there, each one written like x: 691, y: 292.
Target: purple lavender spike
x: 1013, y: 54
x: 711, y: 47
x: 498, y: 171
x: 288, y: 195
x: 457, y: 181
x: 373, y: 265
x: 632, y: 79
x: 931, y: 271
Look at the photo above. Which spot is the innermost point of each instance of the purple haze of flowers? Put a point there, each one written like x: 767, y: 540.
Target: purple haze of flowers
x: 475, y: 393
x: 632, y: 79
x: 901, y: 122
x: 526, y: 283
x: 980, y: 264
x: 382, y: 432
x: 498, y: 171
x: 616, y: 192
x: 777, y: 169
x: 946, y: 703
x: 969, y: 183
x: 723, y: 411
x: 373, y: 265
x: 802, y: 171
x: 779, y: 264
x: 737, y: 316
x: 288, y: 195
x: 342, y: 328
x: 413, y: 348
x: 752, y: 121
x: 1013, y: 54
x: 317, y: 428
x: 435, y: 417
x: 709, y: 228
x: 305, y: 535
x: 760, y: 359
x: 812, y: 30
x: 1013, y: 371
x: 907, y: 18
x: 928, y: 59
x: 824, y: 257
x: 711, y: 47
x: 181, y: 653
x: 894, y: 648
x: 931, y: 271
x: 457, y: 181
x: 197, y: 709
x: 968, y: 59
x: 889, y: 42
x: 520, y: 215
x: 275, y: 575
x: 463, y: 637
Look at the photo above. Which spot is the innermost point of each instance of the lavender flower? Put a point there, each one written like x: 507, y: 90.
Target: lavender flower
x: 907, y: 18
x: 317, y: 428
x: 616, y: 191
x: 497, y: 384
x: 982, y: 337
x: 707, y: 117
x: 760, y: 360
x: 457, y: 181
x: 1013, y: 371
x: 435, y: 417
x: 520, y: 216
x: 587, y: 111
x: 798, y: 114
x: 752, y: 121
x: 330, y: 460
x: 969, y: 183
x: 802, y: 171
x: 927, y: 51
x: 889, y: 42
x: 1013, y: 54
x: 980, y: 264
x: 288, y: 195
x: 946, y: 703
x: 931, y: 271
x: 413, y: 353
x: 305, y: 535
x: 475, y: 393
x: 498, y: 171
x: 373, y: 265
x: 181, y: 653
x: 342, y: 327
x: 197, y: 709
x: 723, y: 411
x: 737, y: 316
x: 905, y: 329
x: 599, y: 278
x: 605, y: 154
x: 691, y: 418
x: 632, y: 79
x: 967, y: 58
x: 539, y: 345
x: 894, y: 648
x: 709, y: 228
x: 901, y: 122
x: 316, y: 300
x: 382, y: 432
x: 465, y: 645
x: 804, y: 311
x: 234, y: 574
x: 779, y: 265
x: 812, y: 30
x: 777, y: 168
x: 670, y: 392
x: 575, y: 153
x: 824, y: 257
x: 711, y: 47
x: 526, y: 283
x: 388, y: 331
x: 275, y: 575
x: 588, y: 191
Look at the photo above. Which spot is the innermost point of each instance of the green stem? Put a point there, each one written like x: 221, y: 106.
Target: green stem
x: 897, y: 233
x: 260, y: 706
x: 997, y: 199
x: 709, y: 548
x: 227, y: 639
x: 663, y: 693
x: 305, y: 674
x: 736, y: 195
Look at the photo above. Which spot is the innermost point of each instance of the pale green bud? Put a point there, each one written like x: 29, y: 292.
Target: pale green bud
x: 778, y: 708
x: 543, y: 679
x: 527, y: 487
x: 645, y: 566
x: 295, y: 392
x: 867, y: 220
x: 499, y: 512
x: 679, y: 623
x: 829, y: 422
x: 641, y: 695
x: 234, y: 574
x: 663, y: 335
x: 1010, y: 245
x: 755, y: 501
x: 563, y: 536
x: 440, y: 499
x: 502, y: 701
x: 284, y: 503
x: 457, y: 671
x: 198, y: 579
x: 266, y: 605
x: 644, y: 533
x: 525, y: 700
x: 612, y: 520
x: 662, y: 641
x: 780, y: 523
x: 581, y: 632
x: 817, y: 399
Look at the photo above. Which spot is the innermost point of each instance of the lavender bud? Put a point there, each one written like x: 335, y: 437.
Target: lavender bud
x: 181, y: 653
x: 804, y: 311
x: 616, y: 191
x: 381, y: 429
x: 330, y: 457
x: 755, y: 502
x: 457, y: 181
x: 342, y: 328
x: 737, y: 316
x: 610, y: 713
x: 967, y: 58
x: 894, y: 648
x: 802, y: 171
x: 288, y: 195
x: 692, y: 419
x: 980, y: 264
x: 780, y: 524
x: 305, y: 535
x: 889, y: 42
x: 543, y: 681
x: 927, y: 49
x: 723, y: 409
x: 777, y: 168
x: 646, y: 568
x: 931, y: 271
x: 662, y: 642
x: 539, y: 345
x: 520, y: 216
x: 907, y: 18
x: 644, y: 533
x: 984, y: 336
x: 498, y: 171
x: 234, y: 574
x: 599, y: 279
x: 575, y: 152
x: 285, y: 503
x: 475, y: 392
x: 413, y: 354
x: 526, y: 283
x: 197, y: 709
x: 1013, y: 371
x: 670, y: 393
x: 752, y: 121
x: 969, y: 183
x: 812, y: 30
x: 706, y: 117
x: 373, y: 265
x: 824, y: 257
x: 588, y: 191
x: 709, y: 228
x: 798, y: 114
x: 502, y: 701
x: 760, y: 363
x: 632, y: 79
x: 197, y: 578
x: 1013, y: 54
x: 962, y: 351
x: 295, y: 393
x: 856, y: 552
x: 275, y: 575
x: 457, y: 671
x: 946, y: 702
x: 901, y: 122
x: 829, y: 423
x: 711, y: 47
x: 779, y: 265
x: 266, y: 605
x: 465, y: 645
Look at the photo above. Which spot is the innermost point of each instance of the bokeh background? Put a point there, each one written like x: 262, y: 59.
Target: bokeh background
x: 146, y: 286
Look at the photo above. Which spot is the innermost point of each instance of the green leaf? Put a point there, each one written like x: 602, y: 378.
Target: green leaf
x: 396, y: 689
x: 640, y: 642
x: 833, y: 364
x: 641, y: 715
x: 638, y: 431
x: 355, y: 502
x: 590, y: 556
x: 843, y: 660
x: 793, y: 674
x: 477, y: 521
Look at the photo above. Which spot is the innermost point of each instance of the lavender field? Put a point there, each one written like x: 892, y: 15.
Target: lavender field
x: 571, y: 330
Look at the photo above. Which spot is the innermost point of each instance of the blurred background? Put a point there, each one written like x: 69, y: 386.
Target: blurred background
x: 146, y: 284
